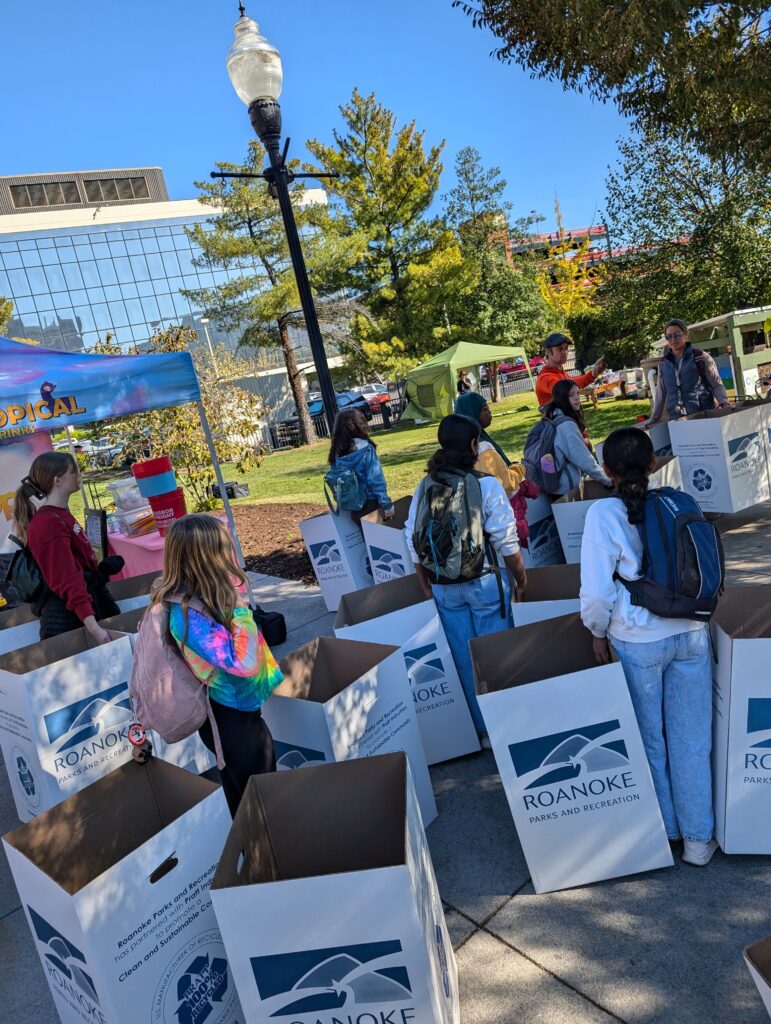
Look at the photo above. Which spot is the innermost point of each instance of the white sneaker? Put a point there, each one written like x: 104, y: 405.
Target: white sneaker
x: 698, y: 854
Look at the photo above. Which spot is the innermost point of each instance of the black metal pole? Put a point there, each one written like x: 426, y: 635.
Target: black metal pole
x: 265, y: 116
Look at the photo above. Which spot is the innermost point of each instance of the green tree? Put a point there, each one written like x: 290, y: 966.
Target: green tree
x: 388, y: 180
x: 690, y: 69
x: 246, y: 234
x: 697, y: 234
x: 6, y: 310
x: 566, y: 284
x: 475, y: 207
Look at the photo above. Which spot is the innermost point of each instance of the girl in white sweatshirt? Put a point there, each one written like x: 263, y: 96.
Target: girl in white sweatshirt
x: 667, y: 662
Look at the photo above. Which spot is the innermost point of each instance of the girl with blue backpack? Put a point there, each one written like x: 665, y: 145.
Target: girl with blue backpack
x: 355, y: 476
x: 651, y: 570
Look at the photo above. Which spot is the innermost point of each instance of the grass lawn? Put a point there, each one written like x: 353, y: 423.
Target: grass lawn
x: 296, y: 475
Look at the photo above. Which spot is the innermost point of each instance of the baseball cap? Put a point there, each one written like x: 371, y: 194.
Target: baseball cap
x: 556, y: 339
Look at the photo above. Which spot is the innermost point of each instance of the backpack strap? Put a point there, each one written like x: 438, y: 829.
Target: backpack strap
x: 330, y: 500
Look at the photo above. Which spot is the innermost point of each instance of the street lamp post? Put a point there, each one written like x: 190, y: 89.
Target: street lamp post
x: 204, y: 321
x: 254, y: 67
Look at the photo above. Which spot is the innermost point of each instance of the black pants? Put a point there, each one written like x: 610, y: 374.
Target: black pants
x: 247, y: 747
x: 56, y: 618
x: 369, y: 506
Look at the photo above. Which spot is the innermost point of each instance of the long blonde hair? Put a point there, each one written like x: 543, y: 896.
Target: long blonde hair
x: 199, y: 561
x: 38, y: 484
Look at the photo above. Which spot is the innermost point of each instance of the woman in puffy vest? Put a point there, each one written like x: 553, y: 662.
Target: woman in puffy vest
x: 76, y: 592
x: 688, y: 381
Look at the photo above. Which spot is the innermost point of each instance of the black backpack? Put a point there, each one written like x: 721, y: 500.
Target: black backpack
x: 23, y: 577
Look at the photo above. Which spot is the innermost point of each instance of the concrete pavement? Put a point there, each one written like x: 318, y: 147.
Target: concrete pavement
x: 659, y: 948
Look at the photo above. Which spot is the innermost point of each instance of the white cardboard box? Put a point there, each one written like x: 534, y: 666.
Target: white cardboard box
x: 570, y: 510
x: 19, y: 627
x: 338, y: 555
x: 544, y: 546
x: 398, y: 613
x: 552, y: 591
x: 115, y: 887
x: 389, y: 556
x: 64, y: 716
x: 335, y: 858
x: 569, y: 752
x: 758, y: 960
x: 722, y: 458
x: 741, y: 721
x: 342, y: 699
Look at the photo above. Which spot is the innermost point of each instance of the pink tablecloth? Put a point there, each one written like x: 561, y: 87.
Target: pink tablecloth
x: 141, y: 554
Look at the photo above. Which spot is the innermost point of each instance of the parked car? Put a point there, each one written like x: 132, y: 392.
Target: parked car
x: 518, y: 366
x: 104, y: 450
x: 345, y: 400
x: 376, y: 394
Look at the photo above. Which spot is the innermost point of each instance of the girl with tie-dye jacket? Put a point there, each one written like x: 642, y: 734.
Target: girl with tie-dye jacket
x: 222, y: 645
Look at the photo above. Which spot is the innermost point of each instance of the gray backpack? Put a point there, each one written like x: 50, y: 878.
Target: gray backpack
x: 540, y: 458
x: 449, y: 537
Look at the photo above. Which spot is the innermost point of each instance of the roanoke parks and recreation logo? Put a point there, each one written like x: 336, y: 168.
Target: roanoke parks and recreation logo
x: 745, y: 453
x: 77, y: 723
x: 426, y: 674
x: 67, y: 968
x: 317, y: 980
x: 758, y: 733
x: 291, y: 755
x: 327, y: 560
x: 386, y: 565
x: 589, y: 761
x: 196, y: 986
x: 544, y: 543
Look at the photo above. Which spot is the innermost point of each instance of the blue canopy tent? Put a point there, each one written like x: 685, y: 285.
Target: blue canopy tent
x: 44, y: 389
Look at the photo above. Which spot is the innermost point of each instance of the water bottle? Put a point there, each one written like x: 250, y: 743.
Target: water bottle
x: 547, y: 464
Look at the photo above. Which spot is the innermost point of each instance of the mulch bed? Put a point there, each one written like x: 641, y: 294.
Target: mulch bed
x: 271, y: 539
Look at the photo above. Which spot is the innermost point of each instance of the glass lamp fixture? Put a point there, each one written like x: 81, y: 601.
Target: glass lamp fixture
x: 254, y: 64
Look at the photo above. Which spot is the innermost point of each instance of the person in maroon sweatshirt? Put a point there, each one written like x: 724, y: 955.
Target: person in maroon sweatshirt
x: 76, y: 592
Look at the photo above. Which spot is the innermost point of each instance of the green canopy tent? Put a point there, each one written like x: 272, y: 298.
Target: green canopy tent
x: 432, y: 387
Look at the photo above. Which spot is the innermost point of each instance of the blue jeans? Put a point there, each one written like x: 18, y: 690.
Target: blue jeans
x: 468, y: 610
x: 670, y: 682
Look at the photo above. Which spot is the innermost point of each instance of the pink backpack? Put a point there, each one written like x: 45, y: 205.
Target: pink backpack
x: 168, y: 697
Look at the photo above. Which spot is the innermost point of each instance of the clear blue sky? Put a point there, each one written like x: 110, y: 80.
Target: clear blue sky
x: 90, y: 85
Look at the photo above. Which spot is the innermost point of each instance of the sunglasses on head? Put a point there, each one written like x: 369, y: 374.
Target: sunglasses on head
x: 675, y: 337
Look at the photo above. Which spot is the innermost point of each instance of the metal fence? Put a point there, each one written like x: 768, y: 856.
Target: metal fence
x: 277, y: 437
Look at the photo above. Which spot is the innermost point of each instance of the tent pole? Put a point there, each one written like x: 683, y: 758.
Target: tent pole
x: 221, y: 482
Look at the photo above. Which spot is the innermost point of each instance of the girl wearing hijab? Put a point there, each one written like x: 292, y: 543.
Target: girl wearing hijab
x: 493, y: 460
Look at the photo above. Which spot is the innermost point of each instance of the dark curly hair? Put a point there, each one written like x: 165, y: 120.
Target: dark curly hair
x: 560, y: 400
x: 628, y: 454
x: 455, y: 436
x: 349, y: 424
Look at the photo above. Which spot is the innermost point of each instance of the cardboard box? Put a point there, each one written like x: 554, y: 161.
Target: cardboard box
x: 758, y: 960
x: 722, y: 458
x: 741, y: 721
x: 341, y: 699
x: 662, y: 442
x: 64, y: 716
x: 570, y: 509
x: 191, y: 753
x: 115, y: 887
x: 552, y: 591
x: 398, y: 613
x: 389, y: 556
x: 335, y: 858
x: 544, y: 546
x: 569, y: 752
x: 338, y: 555
x: 19, y: 627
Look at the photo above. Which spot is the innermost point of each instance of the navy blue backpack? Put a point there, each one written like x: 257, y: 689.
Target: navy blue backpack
x: 683, y: 565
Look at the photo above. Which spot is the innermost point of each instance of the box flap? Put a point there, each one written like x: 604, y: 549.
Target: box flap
x: 759, y: 955
x: 553, y: 583
x: 372, y: 602
x: 401, y: 511
x: 340, y: 817
x: 81, y: 838
x: 745, y: 612
x: 321, y: 669
x: 18, y: 616
x: 126, y: 622
x: 531, y: 653
x: 134, y: 586
x: 47, y: 652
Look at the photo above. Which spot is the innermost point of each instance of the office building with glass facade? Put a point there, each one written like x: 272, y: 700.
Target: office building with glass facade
x: 96, y: 252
